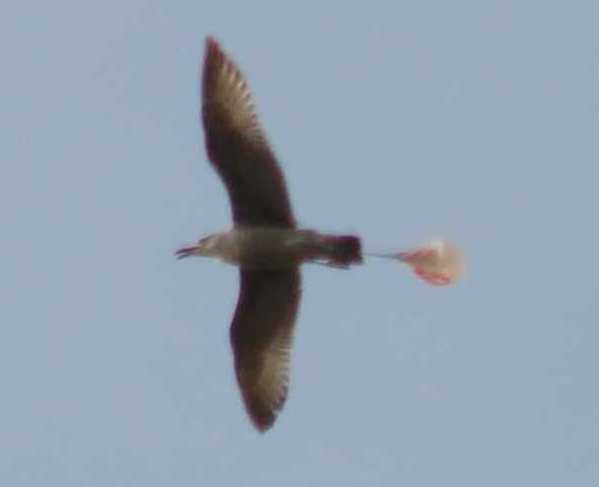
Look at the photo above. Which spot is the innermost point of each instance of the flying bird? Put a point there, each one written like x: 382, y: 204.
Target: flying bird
x: 264, y: 242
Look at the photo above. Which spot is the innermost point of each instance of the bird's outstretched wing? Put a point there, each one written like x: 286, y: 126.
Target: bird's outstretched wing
x: 237, y: 146
x: 262, y: 336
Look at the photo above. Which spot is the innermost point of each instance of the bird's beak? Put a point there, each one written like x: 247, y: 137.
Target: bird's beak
x: 186, y: 251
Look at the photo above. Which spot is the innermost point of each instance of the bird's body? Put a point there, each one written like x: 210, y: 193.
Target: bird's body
x: 276, y: 248
x: 264, y: 242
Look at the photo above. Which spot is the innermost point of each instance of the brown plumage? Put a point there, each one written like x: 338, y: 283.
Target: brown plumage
x: 261, y: 336
x: 264, y: 242
x: 262, y: 327
x: 237, y: 146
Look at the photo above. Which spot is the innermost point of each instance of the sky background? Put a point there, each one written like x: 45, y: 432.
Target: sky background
x: 475, y: 120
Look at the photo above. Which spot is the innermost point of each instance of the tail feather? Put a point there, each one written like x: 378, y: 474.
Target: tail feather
x: 344, y: 250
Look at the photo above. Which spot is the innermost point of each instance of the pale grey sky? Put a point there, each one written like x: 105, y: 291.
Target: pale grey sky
x: 396, y: 120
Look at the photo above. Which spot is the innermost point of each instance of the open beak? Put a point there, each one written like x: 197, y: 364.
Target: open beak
x: 185, y: 251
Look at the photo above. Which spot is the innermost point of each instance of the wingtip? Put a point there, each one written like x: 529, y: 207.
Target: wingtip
x: 213, y: 49
x: 212, y: 44
x: 262, y: 417
x: 214, y: 57
x: 262, y: 425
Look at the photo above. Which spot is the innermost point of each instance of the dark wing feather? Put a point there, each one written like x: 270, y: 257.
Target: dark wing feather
x: 237, y: 146
x: 262, y: 336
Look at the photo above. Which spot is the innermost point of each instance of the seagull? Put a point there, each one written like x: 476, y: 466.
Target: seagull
x: 265, y: 242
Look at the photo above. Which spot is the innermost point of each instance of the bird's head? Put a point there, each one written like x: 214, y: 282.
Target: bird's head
x: 207, y: 247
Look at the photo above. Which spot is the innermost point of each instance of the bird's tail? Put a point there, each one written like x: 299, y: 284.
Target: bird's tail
x: 343, y: 250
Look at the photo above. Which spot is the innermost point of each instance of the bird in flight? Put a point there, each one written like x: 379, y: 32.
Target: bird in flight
x: 266, y: 244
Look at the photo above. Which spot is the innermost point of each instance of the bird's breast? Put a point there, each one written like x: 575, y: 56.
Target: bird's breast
x: 271, y: 248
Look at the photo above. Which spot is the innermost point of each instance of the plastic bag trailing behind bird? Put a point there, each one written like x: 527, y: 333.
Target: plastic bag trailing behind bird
x: 437, y: 262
